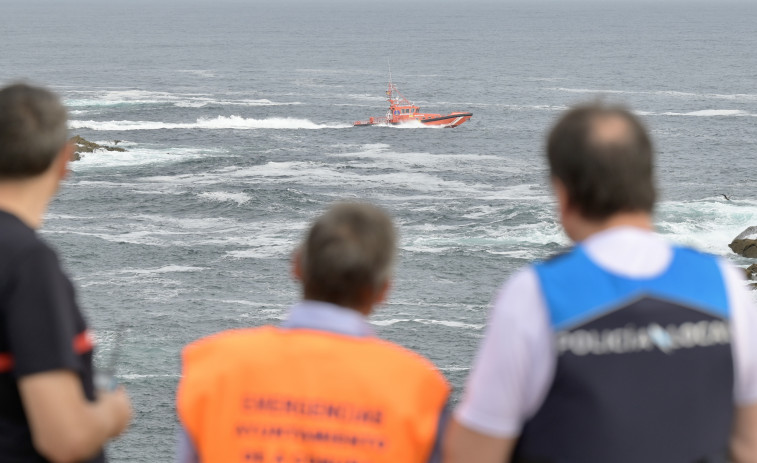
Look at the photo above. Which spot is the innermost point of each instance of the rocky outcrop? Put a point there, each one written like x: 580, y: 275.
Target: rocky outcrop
x: 751, y: 272
x: 85, y: 146
x: 746, y: 243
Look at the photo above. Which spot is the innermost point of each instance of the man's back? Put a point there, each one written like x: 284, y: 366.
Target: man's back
x: 626, y: 349
x: 306, y: 394
x: 644, y: 364
x: 620, y: 350
x: 322, y: 387
x: 48, y: 407
x: 40, y: 329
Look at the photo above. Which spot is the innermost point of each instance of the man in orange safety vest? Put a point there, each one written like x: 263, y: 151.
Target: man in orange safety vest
x: 320, y: 388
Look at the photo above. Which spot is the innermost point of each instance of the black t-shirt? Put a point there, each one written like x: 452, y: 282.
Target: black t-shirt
x: 41, y: 329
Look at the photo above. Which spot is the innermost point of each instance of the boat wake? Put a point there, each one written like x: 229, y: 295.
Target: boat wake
x: 220, y: 122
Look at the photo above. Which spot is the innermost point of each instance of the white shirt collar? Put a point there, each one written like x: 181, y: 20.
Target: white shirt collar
x: 323, y: 316
x: 629, y: 251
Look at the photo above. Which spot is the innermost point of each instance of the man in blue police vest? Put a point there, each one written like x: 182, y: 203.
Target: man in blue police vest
x: 626, y: 349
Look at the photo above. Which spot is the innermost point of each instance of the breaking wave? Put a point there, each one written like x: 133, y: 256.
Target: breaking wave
x: 220, y: 122
x: 116, y: 98
x: 711, y: 113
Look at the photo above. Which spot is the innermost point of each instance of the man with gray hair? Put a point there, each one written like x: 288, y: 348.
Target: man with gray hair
x: 49, y: 409
x: 321, y: 387
x: 625, y: 349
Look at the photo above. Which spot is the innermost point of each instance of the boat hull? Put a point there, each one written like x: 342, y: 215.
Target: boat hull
x: 450, y: 120
x: 434, y: 120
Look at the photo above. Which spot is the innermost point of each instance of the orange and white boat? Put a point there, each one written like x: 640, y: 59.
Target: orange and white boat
x: 402, y: 111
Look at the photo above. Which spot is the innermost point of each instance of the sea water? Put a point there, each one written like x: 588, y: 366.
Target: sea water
x: 237, y: 117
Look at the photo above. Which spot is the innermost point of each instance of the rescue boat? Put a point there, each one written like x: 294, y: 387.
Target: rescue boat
x: 402, y: 111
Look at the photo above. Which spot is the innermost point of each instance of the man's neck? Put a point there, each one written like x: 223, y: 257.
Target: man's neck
x: 583, y: 229
x: 25, y: 199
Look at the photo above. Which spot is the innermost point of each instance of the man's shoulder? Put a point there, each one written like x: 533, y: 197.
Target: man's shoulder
x: 223, y: 340
x: 22, y: 252
x: 271, y: 346
x: 18, y: 240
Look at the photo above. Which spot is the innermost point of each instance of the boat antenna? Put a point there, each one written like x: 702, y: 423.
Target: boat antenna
x: 390, y: 92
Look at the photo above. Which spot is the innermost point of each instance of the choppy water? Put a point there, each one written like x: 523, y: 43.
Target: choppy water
x: 237, y: 117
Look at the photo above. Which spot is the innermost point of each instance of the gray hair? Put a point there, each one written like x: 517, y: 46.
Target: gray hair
x: 32, y: 130
x: 348, y: 254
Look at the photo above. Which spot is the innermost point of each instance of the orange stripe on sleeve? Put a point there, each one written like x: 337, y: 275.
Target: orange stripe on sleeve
x: 82, y: 344
x: 6, y: 363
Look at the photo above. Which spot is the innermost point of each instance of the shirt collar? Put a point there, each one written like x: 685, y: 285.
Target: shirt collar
x: 317, y: 315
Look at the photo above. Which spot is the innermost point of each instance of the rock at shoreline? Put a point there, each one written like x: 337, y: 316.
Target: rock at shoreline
x: 751, y: 272
x: 86, y: 146
x: 746, y: 243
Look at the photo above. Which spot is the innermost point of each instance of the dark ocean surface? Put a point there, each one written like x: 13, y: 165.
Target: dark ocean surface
x: 237, y: 117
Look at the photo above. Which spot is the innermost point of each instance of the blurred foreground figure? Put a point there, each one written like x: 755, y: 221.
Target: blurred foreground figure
x: 321, y: 387
x: 49, y: 409
x: 625, y: 349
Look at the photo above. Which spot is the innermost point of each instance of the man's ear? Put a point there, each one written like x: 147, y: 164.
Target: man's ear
x: 60, y: 164
x: 297, y: 265
x: 382, y: 294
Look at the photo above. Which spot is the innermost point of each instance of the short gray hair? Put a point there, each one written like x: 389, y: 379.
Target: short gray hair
x: 32, y: 130
x: 348, y: 254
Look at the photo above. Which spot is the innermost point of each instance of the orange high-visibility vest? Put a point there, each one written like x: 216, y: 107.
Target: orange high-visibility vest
x: 271, y: 395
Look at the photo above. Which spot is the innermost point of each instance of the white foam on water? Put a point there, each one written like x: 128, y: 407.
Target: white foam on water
x: 109, y: 98
x: 380, y: 155
x: 522, y: 192
x: 165, y: 231
x: 206, y: 73
x: 201, y: 103
x: 135, y: 157
x: 587, y: 90
x: 220, y: 122
x: 164, y: 269
x: 420, y: 249
x: 524, y: 254
x: 389, y: 322
x: 454, y: 368
x: 274, y: 248
x: 711, y: 113
x: 222, y: 196
x: 708, y: 225
x: 741, y: 97
x: 307, y: 172
x: 734, y: 97
x: 255, y: 304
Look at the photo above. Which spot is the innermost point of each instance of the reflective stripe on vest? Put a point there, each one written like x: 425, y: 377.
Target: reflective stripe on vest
x: 276, y: 395
x: 82, y: 343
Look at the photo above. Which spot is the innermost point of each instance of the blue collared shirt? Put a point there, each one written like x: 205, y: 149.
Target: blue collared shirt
x: 322, y: 316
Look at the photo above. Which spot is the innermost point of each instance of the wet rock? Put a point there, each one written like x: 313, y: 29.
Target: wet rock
x: 746, y: 243
x: 751, y: 272
x: 83, y: 145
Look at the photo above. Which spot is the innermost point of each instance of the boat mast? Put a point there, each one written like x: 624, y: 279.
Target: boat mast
x: 390, y: 90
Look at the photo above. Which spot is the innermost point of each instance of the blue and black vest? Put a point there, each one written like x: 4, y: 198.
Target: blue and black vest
x: 644, y: 370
